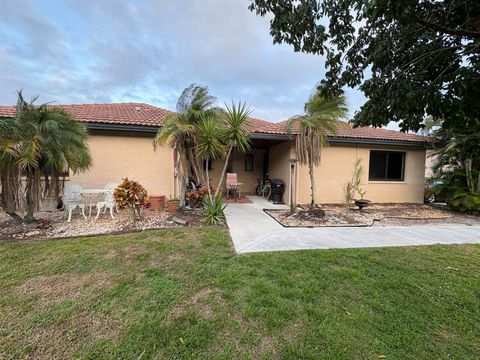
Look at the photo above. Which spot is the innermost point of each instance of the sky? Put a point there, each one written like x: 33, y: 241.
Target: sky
x: 104, y: 51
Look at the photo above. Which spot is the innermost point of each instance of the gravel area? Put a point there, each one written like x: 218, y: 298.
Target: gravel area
x: 49, y: 224
x: 374, y: 215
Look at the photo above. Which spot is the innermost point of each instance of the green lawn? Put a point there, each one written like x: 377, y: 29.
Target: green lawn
x: 185, y: 294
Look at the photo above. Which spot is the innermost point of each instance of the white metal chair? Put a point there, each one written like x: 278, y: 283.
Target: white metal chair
x: 72, y: 198
x: 108, y: 201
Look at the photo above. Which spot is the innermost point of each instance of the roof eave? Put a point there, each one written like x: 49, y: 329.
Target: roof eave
x: 122, y: 127
x: 404, y: 143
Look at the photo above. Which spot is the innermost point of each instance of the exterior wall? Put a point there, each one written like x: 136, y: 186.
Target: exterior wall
x: 431, y: 159
x: 279, y: 166
x: 336, y: 169
x: 237, y: 160
x: 118, y: 155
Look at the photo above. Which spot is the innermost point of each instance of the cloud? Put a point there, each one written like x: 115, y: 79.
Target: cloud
x: 106, y: 50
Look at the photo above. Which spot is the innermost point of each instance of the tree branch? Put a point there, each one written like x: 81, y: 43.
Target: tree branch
x: 446, y: 30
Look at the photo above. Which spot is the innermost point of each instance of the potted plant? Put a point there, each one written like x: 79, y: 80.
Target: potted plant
x: 172, y: 205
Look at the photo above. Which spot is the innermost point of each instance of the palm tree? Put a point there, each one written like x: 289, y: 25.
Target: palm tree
x: 179, y: 131
x: 320, y: 120
x: 9, y: 172
x: 235, y: 133
x: 210, y: 143
x: 41, y: 142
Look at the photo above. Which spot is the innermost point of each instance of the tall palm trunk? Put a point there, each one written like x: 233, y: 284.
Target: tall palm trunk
x: 195, y: 165
x: 311, y: 169
x: 224, y: 170
x: 29, y: 189
x: 9, y: 179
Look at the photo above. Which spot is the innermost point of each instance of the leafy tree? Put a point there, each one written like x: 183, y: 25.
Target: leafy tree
x: 235, y: 134
x: 180, y: 132
x: 320, y: 119
x: 39, y: 143
x: 411, y: 58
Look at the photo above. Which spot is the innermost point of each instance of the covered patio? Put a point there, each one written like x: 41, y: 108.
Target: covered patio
x: 268, y: 157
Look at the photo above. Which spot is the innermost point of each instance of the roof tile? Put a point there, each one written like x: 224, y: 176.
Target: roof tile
x: 141, y: 114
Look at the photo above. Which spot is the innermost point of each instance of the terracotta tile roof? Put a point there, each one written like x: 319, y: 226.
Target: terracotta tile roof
x: 345, y: 130
x: 257, y: 124
x: 140, y: 114
x: 121, y: 114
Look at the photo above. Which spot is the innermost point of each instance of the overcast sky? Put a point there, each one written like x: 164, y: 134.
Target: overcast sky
x: 102, y: 51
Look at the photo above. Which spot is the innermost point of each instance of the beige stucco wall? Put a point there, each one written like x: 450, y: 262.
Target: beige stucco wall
x: 116, y: 156
x: 248, y: 178
x: 336, y: 169
x: 279, y: 166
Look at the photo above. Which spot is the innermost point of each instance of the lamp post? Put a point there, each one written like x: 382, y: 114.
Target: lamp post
x: 292, y: 184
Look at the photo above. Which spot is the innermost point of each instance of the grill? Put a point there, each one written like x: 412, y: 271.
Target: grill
x: 278, y: 188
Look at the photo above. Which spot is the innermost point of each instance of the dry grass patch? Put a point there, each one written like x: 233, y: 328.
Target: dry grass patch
x: 53, y: 289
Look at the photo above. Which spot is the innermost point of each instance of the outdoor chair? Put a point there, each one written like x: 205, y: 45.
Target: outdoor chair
x: 233, y: 186
x: 108, y: 201
x: 72, y: 198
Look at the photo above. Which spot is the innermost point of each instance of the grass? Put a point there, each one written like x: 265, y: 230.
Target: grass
x: 185, y: 294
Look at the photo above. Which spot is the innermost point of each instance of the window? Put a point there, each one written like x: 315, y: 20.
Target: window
x: 209, y: 165
x: 248, y: 162
x: 386, y: 165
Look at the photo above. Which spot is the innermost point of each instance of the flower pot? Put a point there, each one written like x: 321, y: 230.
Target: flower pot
x: 157, y: 202
x: 172, y: 206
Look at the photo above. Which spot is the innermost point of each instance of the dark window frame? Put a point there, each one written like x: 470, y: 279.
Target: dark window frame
x: 252, y: 164
x: 387, y: 159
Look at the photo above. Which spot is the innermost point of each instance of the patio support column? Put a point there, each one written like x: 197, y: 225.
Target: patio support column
x: 292, y: 184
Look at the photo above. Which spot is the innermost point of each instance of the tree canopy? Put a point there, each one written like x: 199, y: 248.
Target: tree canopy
x: 411, y: 58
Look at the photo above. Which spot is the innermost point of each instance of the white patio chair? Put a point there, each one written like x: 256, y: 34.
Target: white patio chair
x: 108, y: 201
x: 72, y: 198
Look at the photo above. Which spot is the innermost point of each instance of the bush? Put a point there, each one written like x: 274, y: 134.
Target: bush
x: 130, y: 194
x: 213, y: 210
x: 455, y: 190
x: 196, y: 198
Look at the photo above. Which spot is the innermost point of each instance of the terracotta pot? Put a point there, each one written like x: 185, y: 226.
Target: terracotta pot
x: 172, y: 206
x: 157, y: 202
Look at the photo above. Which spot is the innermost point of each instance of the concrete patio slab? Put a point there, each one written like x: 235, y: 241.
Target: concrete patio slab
x: 252, y: 230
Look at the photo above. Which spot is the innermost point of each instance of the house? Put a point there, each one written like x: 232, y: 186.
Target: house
x: 121, y: 146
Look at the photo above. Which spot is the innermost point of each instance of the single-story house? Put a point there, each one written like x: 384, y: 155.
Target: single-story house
x: 121, y: 146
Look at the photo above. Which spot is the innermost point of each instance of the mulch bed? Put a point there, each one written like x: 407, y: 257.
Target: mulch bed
x: 49, y: 224
x: 374, y: 215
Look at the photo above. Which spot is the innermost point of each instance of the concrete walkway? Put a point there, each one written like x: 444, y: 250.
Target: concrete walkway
x: 252, y: 230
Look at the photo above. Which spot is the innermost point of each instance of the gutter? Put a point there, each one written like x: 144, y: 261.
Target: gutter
x: 345, y: 140
x: 126, y: 128
x: 253, y: 136
x: 338, y: 140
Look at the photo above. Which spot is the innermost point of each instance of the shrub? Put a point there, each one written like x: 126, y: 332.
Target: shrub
x: 354, y: 185
x: 130, y: 194
x: 196, y: 198
x: 213, y: 210
x: 455, y: 190
x: 464, y: 201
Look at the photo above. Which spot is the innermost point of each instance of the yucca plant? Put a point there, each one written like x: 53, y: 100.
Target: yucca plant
x: 209, y: 143
x: 213, y: 210
x: 235, y: 133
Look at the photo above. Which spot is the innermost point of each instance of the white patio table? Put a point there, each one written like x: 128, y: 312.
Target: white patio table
x: 91, y: 197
